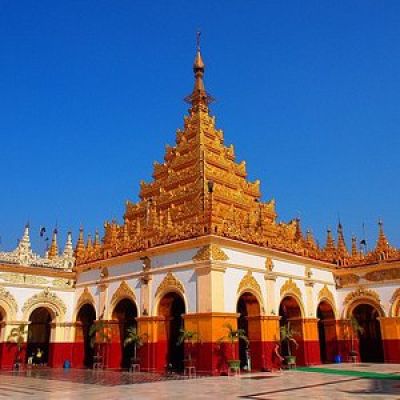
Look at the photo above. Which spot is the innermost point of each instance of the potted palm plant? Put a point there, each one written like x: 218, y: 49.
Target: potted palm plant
x: 99, y: 335
x: 133, y: 338
x: 355, y: 328
x: 233, y: 336
x: 189, y: 337
x: 287, y: 336
x: 17, y: 337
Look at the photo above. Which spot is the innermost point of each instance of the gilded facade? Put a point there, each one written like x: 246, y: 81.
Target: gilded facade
x: 197, y: 251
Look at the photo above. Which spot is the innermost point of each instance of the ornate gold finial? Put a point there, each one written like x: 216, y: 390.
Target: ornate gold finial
x: 199, y: 98
x: 198, y: 34
x: 53, y: 251
x: 80, y: 245
x: 330, y: 248
x: 382, y: 244
x: 341, y: 244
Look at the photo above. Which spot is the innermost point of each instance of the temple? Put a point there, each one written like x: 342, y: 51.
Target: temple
x: 200, y: 252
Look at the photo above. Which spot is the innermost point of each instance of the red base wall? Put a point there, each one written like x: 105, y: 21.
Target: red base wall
x: 391, y: 349
x: 8, y: 354
x: 60, y: 352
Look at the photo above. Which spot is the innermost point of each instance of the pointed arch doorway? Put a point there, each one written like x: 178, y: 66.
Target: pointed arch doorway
x: 326, y: 332
x: 39, y: 331
x: 85, y: 318
x: 369, y: 337
x: 248, y: 308
x: 125, y: 313
x: 172, y: 308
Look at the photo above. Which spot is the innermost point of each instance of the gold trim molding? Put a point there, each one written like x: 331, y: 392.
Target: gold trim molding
x: 290, y: 287
x: 325, y: 293
x: 210, y: 252
x: 249, y: 282
x: 85, y: 298
x: 124, y: 291
x: 7, y: 299
x: 170, y: 282
x: 362, y: 293
x: 45, y: 298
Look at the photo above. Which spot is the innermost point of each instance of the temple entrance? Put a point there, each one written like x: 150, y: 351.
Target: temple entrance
x: 248, y: 307
x: 326, y: 331
x: 39, y: 331
x: 370, y: 339
x: 86, y: 317
x: 125, y: 312
x: 290, y: 313
x: 172, y: 307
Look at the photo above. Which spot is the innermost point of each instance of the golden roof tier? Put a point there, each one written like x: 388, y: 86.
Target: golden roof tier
x: 200, y: 189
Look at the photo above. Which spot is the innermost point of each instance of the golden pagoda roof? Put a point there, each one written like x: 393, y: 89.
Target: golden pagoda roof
x: 201, y: 189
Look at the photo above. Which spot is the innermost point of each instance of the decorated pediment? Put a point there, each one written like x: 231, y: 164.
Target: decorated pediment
x: 326, y: 294
x: 46, y: 298
x: 290, y: 287
x: 124, y: 291
x: 210, y: 252
x: 248, y: 282
x: 170, y: 282
x: 362, y: 293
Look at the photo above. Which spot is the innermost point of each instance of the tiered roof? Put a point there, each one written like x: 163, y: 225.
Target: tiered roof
x: 201, y: 189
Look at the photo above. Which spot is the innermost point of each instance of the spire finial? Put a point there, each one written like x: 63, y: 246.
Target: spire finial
x: 199, y: 98
x: 198, y: 34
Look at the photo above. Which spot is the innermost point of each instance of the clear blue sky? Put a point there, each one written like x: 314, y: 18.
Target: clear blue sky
x: 91, y: 91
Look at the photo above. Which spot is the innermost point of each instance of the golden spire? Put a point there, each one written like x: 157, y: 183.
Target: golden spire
x: 341, y: 245
x: 199, y: 99
x: 97, y: 243
x: 80, y: 245
x: 310, y: 239
x: 53, y: 251
x: 89, y: 244
x: 298, y: 234
x: 382, y: 244
x: 354, y: 251
x: 330, y: 249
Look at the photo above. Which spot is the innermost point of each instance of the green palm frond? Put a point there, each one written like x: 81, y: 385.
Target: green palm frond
x: 287, y: 335
x: 98, y: 329
x: 17, y: 335
x: 187, y: 336
x: 132, y: 337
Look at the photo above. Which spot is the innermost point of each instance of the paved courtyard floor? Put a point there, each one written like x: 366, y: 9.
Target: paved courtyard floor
x: 344, y: 381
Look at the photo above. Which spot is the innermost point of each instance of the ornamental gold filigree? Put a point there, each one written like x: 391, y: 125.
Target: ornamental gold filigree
x: 395, y: 296
x: 360, y: 293
x: 124, y: 291
x: 347, y: 280
x: 62, y: 283
x: 170, y: 281
x: 249, y: 282
x: 45, y: 298
x: 12, y: 278
x: 290, y: 287
x: 326, y: 294
x: 85, y: 298
x: 9, y: 300
x: 200, y: 189
x: 383, y: 275
x: 210, y: 252
x: 269, y: 264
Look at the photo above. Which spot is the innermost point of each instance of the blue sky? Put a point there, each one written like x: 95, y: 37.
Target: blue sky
x: 91, y: 91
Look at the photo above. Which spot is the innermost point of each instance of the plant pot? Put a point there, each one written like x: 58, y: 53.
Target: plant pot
x: 234, y: 364
x: 290, y: 360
